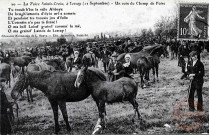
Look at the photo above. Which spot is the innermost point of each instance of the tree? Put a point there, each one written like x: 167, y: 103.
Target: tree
x: 61, y: 40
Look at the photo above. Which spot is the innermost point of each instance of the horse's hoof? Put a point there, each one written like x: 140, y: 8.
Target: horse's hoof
x: 97, y: 129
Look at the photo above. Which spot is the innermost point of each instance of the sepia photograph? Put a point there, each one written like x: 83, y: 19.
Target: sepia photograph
x: 104, y: 67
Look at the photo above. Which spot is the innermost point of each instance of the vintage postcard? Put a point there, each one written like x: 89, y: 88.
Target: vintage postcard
x: 104, y: 67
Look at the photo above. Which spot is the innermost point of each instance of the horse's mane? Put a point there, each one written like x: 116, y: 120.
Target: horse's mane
x: 155, y: 50
x: 99, y: 73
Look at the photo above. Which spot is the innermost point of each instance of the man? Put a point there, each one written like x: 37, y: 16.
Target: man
x: 196, y: 76
x: 7, y: 115
x: 105, y: 54
x: 187, y: 67
x: 77, y: 62
x: 118, y: 68
x: 183, y: 51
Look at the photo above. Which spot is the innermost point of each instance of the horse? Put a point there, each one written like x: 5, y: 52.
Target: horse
x: 36, y: 67
x: 144, y: 64
x: 58, y: 64
x: 69, y: 63
x: 58, y: 87
x: 5, y: 71
x: 103, y: 91
x: 89, y: 59
x: 146, y: 51
x: 155, y: 51
x: 21, y: 61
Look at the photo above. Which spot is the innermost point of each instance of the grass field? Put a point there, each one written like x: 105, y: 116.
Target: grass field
x: 156, y: 105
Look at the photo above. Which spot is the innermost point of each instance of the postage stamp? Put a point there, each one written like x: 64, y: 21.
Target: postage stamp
x: 186, y: 120
x: 193, y: 21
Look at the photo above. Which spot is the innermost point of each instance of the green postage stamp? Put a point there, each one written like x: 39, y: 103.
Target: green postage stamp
x: 193, y: 21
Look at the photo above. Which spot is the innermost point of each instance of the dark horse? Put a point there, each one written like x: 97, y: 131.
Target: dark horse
x: 58, y: 87
x: 5, y: 70
x: 21, y: 61
x: 146, y: 51
x: 124, y: 89
x: 37, y: 67
x: 144, y: 64
x: 89, y: 59
x: 152, y: 61
x: 154, y: 51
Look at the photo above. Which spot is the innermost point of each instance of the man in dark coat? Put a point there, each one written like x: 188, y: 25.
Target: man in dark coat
x: 196, y: 76
x: 6, y: 111
x: 105, y: 54
x: 183, y: 51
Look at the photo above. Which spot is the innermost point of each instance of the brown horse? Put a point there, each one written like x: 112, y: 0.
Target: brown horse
x: 58, y: 87
x: 124, y: 89
x: 157, y: 49
x: 36, y: 67
x: 21, y: 61
x: 58, y: 64
x: 89, y: 59
x: 144, y: 64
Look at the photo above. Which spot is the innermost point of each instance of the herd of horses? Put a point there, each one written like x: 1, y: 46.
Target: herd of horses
x: 59, y: 86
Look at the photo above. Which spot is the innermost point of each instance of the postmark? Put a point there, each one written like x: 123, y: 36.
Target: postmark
x: 193, y: 22
x: 186, y: 120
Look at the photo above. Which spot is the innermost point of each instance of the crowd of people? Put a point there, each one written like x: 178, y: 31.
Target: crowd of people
x: 188, y: 54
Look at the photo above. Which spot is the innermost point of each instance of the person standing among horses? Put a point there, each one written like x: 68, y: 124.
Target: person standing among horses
x: 77, y: 62
x: 105, y: 54
x: 6, y: 110
x: 118, y: 71
x: 197, y: 48
x: 196, y: 77
x: 183, y: 51
x: 128, y: 66
x: 110, y: 69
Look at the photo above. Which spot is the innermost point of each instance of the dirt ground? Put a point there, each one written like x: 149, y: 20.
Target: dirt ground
x: 156, y: 105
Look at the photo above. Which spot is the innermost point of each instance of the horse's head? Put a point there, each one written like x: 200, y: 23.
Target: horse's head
x: 89, y: 75
x: 19, y: 86
x: 159, y: 50
x: 80, y: 77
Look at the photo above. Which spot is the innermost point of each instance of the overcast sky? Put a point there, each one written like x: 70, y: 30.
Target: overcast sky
x: 96, y: 19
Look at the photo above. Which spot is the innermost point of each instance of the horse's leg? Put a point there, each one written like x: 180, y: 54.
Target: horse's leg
x: 30, y: 93
x: 142, y: 76
x: 135, y: 105
x: 62, y: 106
x: 102, y: 111
x: 153, y: 72
x: 156, y: 68
x: 27, y: 90
x: 54, y: 105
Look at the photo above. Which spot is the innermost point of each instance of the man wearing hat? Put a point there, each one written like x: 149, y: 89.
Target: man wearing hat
x: 196, y: 77
x: 105, y: 54
x: 183, y: 51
